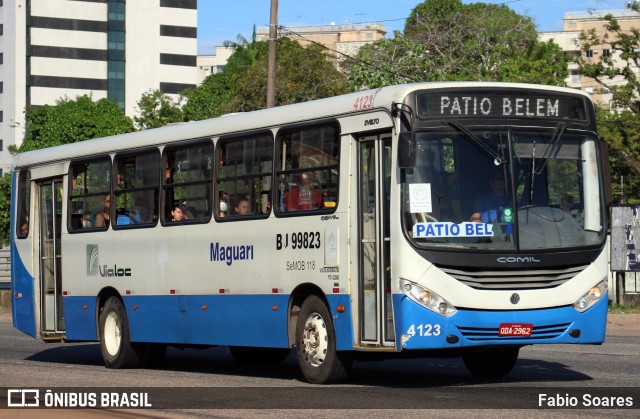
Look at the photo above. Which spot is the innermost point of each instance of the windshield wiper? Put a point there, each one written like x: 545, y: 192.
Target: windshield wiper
x: 553, y: 145
x: 560, y: 128
x: 497, y: 159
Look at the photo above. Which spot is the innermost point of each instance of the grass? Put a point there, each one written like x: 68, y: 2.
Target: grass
x: 623, y: 309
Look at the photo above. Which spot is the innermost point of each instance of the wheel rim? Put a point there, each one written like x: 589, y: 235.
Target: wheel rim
x: 112, y: 333
x: 315, y: 340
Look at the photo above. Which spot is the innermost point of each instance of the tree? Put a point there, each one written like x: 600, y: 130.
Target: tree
x: 156, y: 110
x: 615, y: 74
x: 67, y: 122
x: 447, y: 40
x: 5, y: 209
x: 71, y: 121
x: 210, y: 99
x: 302, y: 74
x: 245, y: 53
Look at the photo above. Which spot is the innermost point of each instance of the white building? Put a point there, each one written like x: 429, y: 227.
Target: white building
x: 116, y: 49
x: 212, y: 64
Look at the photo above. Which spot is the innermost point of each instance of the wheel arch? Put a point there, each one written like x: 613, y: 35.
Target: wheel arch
x: 298, y: 295
x: 102, y: 297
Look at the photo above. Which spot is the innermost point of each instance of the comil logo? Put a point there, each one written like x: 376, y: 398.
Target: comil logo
x: 23, y: 398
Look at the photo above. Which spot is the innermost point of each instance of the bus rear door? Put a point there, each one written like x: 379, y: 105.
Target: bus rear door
x: 49, y: 210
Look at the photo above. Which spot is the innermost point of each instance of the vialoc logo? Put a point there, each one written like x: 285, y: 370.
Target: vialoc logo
x: 93, y: 261
x: 94, y: 268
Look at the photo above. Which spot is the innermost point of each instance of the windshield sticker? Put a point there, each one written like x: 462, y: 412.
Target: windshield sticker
x: 443, y: 229
x: 420, y: 197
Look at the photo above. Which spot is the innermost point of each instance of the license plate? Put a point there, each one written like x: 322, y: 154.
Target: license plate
x: 515, y: 329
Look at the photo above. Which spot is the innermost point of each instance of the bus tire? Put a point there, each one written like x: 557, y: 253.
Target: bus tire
x: 490, y: 362
x: 318, y: 359
x: 115, y: 340
x: 250, y: 355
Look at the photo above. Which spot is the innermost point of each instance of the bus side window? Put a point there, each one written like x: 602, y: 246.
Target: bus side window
x: 187, y: 181
x: 308, y: 168
x: 244, y: 176
x: 89, y: 189
x: 137, y: 177
x: 24, y: 203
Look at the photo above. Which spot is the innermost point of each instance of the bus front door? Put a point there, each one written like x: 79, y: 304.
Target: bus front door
x: 374, y: 299
x: 49, y: 203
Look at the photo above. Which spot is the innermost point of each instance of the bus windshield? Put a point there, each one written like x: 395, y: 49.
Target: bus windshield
x: 503, y: 189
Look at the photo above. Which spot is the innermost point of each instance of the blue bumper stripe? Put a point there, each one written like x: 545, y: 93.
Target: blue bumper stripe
x: 419, y: 328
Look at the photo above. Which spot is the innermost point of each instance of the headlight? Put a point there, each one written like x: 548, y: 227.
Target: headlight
x: 427, y: 298
x: 591, y: 297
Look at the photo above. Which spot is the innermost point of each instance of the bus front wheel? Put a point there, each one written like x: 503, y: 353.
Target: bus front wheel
x: 490, y: 362
x: 318, y: 359
x: 115, y: 340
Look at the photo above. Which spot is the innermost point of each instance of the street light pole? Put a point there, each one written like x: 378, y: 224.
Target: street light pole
x: 271, y: 68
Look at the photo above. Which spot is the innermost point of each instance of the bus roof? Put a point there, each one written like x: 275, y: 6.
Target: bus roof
x: 383, y: 98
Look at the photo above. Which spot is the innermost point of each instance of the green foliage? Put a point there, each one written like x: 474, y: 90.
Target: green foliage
x: 5, y: 209
x: 389, y: 61
x: 302, y: 74
x: 71, y: 121
x: 623, y: 309
x: 541, y: 63
x: 615, y: 74
x: 67, y: 122
x: 446, y: 40
x: 210, y: 99
x: 245, y: 53
x: 156, y: 110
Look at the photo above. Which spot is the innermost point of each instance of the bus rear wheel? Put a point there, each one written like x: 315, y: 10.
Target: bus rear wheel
x: 318, y: 359
x: 115, y: 340
x: 490, y: 362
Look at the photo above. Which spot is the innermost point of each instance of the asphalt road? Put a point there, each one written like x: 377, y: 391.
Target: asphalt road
x: 197, y: 381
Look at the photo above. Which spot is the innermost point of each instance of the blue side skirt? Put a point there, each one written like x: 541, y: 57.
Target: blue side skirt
x: 238, y: 320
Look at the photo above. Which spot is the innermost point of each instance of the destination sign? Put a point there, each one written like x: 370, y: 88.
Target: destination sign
x: 504, y: 104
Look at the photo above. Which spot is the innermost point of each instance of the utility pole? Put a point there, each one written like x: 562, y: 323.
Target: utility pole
x: 271, y: 69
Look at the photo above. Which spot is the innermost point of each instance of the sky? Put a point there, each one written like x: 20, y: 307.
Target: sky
x: 219, y: 21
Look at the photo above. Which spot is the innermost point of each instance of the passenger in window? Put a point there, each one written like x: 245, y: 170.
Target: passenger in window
x: 304, y: 196
x: 243, y: 207
x: 140, y: 212
x: 24, y: 228
x: 566, y: 203
x: 86, y: 219
x: 224, y: 206
x: 177, y: 213
x: 102, y: 218
x: 190, y: 212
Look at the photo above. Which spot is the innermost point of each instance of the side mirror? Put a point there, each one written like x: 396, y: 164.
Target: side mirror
x: 406, y: 150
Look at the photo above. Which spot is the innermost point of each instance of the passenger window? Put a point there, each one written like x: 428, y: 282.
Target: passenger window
x: 308, y: 169
x: 24, y: 203
x: 137, y: 180
x: 90, y: 195
x: 187, y: 182
x: 243, y: 185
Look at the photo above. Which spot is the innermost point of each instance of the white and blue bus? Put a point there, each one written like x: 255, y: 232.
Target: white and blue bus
x: 433, y: 219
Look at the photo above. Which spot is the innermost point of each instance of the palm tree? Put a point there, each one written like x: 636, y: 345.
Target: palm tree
x: 245, y: 53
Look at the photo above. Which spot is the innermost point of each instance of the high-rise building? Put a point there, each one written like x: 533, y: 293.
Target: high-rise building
x: 115, y: 49
x: 568, y: 39
x: 340, y: 40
